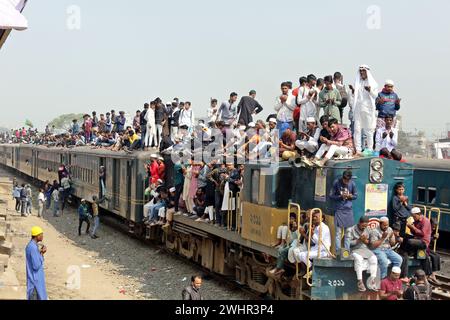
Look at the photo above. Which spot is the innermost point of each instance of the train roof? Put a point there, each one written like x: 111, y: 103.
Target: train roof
x: 89, y: 150
x: 430, y: 164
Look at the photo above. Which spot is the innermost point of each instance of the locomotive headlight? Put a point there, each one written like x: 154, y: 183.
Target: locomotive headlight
x: 377, y: 165
x: 376, y: 177
x: 376, y: 170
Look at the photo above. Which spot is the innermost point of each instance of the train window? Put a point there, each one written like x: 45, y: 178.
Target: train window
x: 432, y: 192
x: 444, y: 195
x: 421, y: 194
x: 255, y: 186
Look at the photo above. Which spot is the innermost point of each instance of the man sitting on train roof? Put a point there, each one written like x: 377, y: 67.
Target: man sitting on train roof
x: 343, y: 193
x: 420, y: 240
x: 287, y: 144
x: 300, y: 254
x: 309, y: 141
x: 358, y: 236
x: 382, y: 241
x: 341, y: 144
x: 386, y: 140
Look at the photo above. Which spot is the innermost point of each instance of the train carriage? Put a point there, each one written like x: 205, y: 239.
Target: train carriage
x: 431, y: 188
x: 263, y: 205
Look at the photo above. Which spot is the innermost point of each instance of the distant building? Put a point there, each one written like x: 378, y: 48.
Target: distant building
x: 442, y: 147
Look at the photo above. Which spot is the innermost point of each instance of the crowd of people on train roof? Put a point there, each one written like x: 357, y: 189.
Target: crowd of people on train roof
x: 307, y: 121
x: 308, y: 124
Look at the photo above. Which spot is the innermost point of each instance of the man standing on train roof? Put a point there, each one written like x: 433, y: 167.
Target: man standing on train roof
x: 387, y: 104
x: 363, y: 101
x: 121, y: 120
x: 343, y: 193
x: 143, y: 124
x: 359, y: 241
x: 75, y: 127
x: 284, y: 106
x: 339, y: 85
x: 247, y: 108
x: 36, y: 289
x: 108, y: 123
x: 330, y: 99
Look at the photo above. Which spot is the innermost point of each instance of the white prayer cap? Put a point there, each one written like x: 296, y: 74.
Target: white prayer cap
x: 310, y: 119
x: 273, y: 120
x: 396, y: 270
x: 251, y: 125
x: 161, y: 158
x: 389, y: 83
x: 242, y: 127
x: 154, y: 156
x: 415, y: 210
x: 169, y: 103
x: 384, y: 219
x: 172, y: 189
x: 160, y: 181
x: 83, y: 200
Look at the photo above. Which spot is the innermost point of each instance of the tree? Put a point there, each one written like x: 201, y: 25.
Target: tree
x: 64, y: 121
x: 28, y: 123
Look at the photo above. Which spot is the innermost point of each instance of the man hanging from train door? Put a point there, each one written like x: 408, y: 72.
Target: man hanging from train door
x: 343, y: 193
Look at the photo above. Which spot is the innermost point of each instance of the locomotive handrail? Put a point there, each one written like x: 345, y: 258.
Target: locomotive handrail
x: 308, y: 276
x: 296, y: 205
x: 238, y: 212
x: 229, y: 211
x: 438, y: 212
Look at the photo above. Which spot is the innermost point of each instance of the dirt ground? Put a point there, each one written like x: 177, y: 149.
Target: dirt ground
x: 64, y: 260
x: 113, y: 267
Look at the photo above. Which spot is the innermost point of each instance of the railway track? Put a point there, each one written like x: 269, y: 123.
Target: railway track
x: 207, y: 274
x: 441, y: 291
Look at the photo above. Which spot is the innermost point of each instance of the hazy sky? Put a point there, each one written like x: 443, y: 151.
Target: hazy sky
x: 129, y: 52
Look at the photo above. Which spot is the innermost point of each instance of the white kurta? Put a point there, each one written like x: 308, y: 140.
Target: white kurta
x: 364, y: 110
x: 307, y: 107
x: 299, y: 254
x: 226, y: 197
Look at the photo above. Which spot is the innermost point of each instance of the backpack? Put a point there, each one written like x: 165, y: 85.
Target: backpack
x: 422, y: 292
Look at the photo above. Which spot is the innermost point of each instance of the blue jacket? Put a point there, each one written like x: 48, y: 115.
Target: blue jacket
x: 35, y: 271
x: 389, y: 107
x: 83, y: 211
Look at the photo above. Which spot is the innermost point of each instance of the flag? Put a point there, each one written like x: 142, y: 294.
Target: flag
x: 29, y: 123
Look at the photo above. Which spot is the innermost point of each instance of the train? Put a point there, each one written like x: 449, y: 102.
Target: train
x: 269, y: 193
